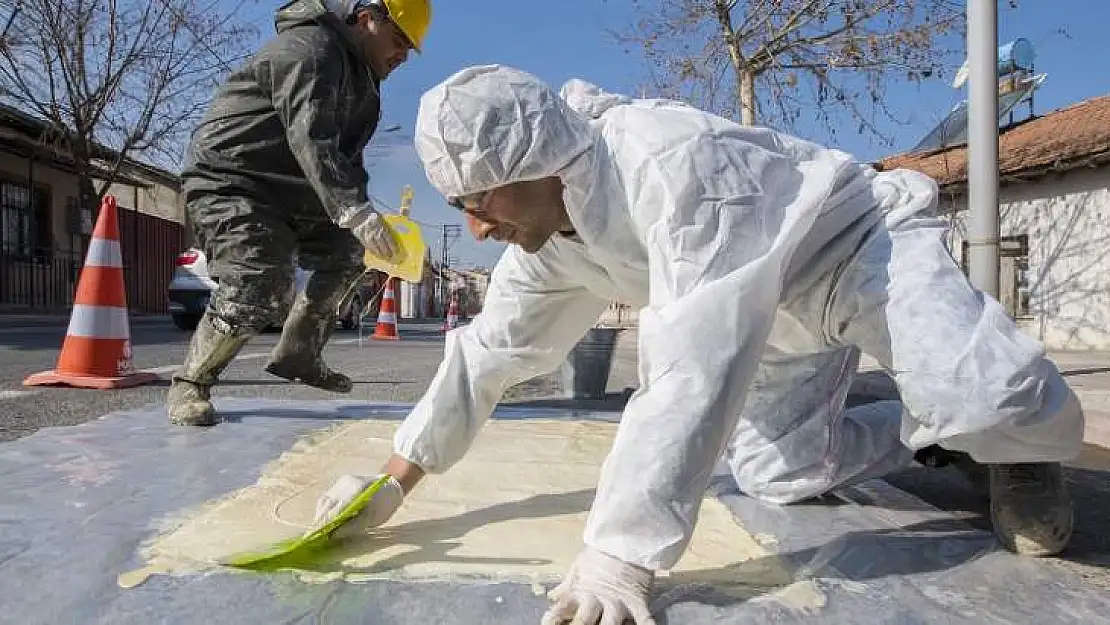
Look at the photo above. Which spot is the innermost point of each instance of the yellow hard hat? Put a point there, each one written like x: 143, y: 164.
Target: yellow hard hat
x: 412, y: 17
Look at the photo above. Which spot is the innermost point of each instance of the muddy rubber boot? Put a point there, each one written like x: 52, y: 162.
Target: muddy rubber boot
x: 1031, y: 508
x: 210, y: 351
x: 297, y: 356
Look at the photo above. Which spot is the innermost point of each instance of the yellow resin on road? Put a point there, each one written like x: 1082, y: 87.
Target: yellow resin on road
x: 513, y: 510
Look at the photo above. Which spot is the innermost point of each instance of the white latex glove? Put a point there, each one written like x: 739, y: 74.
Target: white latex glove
x: 600, y: 589
x: 382, y: 506
x: 372, y: 231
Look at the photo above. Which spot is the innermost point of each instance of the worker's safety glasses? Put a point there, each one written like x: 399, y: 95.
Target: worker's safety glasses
x: 469, y: 203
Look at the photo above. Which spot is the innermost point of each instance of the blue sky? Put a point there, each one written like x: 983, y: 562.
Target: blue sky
x: 558, y: 41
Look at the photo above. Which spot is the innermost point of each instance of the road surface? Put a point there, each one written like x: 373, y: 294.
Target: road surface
x: 382, y: 370
x: 400, y: 371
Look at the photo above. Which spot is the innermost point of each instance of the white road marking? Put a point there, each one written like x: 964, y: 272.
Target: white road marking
x: 162, y: 370
x: 15, y: 394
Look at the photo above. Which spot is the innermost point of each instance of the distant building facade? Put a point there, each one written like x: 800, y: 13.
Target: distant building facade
x: 1054, y: 219
x: 44, y: 231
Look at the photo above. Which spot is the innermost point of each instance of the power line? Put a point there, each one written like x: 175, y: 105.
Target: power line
x: 383, y: 204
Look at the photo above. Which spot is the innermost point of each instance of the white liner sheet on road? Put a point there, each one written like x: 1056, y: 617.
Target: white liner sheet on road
x: 77, y: 503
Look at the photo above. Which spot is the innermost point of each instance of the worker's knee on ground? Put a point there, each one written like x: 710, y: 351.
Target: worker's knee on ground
x: 769, y: 477
x: 782, y: 492
x: 1052, y: 433
x: 1030, y: 416
x: 1069, y: 425
x: 981, y: 400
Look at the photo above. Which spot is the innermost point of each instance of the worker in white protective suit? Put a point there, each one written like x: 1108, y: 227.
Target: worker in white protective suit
x: 764, y: 266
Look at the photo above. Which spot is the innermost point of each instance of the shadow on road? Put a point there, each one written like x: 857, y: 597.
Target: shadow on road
x: 1088, y: 479
x: 280, y: 382
x: 860, y: 556
x: 415, y: 332
x: 613, y: 402
x: 51, y: 337
x: 1088, y: 370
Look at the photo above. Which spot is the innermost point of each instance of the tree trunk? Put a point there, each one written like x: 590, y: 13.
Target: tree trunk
x: 745, y: 83
x: 90, y: 199
x: 745, y: 88
x: 86, y: 188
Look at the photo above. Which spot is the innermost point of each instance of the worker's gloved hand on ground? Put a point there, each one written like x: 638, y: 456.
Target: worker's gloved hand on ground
x: 600, y: 589
x: 382, y: 506
x: 374, y: 234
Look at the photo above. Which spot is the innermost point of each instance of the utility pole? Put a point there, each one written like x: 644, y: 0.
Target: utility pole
x: 406, y: 200
x: 982, y: 145
x: 450, y: 234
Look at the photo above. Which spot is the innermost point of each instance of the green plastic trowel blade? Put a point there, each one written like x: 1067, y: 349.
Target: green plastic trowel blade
x: 295, y: 546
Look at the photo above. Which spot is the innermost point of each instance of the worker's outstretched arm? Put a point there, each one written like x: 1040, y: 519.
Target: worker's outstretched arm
x: 717, y: 263
x: 305, y: 79
x: 532, y: 316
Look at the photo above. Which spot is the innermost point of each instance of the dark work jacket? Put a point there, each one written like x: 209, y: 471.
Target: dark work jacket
x: 289, y: 127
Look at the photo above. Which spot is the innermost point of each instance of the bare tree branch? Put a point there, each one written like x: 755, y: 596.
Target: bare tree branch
x: 778, y: 58
x: 119, y: 79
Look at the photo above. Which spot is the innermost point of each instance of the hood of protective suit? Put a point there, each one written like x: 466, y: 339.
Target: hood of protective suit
x: 592, y: 102
x: 589, y: 100
x: 331, y: 13
x: 491, y: 125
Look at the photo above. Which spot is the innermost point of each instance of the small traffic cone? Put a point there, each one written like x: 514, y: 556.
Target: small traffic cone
x: 387, y: 315
x: 96, y: 352
x: 452, y: 320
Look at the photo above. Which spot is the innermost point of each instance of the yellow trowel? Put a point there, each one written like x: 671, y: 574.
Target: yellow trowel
x: 272, y: 558
x: 408, y: 263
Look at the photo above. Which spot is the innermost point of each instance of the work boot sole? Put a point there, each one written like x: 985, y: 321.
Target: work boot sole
x: 1035, y: 525
x: 1026, y: 521
x: 333, y: 382
x: 205, y: 419
x: 193, y: 413
x: 188, y: 404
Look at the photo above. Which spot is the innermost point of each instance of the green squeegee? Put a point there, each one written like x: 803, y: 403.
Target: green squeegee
x: 265, y: 560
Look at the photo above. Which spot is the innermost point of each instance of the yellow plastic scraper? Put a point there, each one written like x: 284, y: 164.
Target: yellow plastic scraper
x: 266, y: 560
x: 408, y: 264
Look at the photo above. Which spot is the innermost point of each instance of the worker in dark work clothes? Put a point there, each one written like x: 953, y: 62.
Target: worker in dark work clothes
x: 275, y: 171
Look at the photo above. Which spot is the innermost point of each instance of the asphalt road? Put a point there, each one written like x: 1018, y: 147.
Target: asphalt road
x: 401, y: 370
x: 382, y: 371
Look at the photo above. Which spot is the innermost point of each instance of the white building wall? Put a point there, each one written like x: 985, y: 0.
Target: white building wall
x: 409, y: 297
x: 618, y: 315
x: 1066, y: 218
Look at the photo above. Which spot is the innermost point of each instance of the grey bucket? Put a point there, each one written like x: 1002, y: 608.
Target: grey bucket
x: 586, y: 369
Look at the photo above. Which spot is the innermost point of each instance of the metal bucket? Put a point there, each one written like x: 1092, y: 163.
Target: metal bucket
x: 586, y: 370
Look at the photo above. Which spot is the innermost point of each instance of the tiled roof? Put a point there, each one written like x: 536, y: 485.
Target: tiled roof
x: 1071, y: 137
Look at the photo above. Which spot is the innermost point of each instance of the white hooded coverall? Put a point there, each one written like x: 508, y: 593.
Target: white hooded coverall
x: 763, y: 264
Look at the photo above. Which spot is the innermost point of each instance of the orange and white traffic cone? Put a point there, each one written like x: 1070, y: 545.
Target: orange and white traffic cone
x: 452, y: 320
x: 387, y: 315
x: 96, y: 352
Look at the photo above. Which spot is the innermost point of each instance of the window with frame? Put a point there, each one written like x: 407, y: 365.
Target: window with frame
x: 25, y: 220
x: 1013, y: 274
